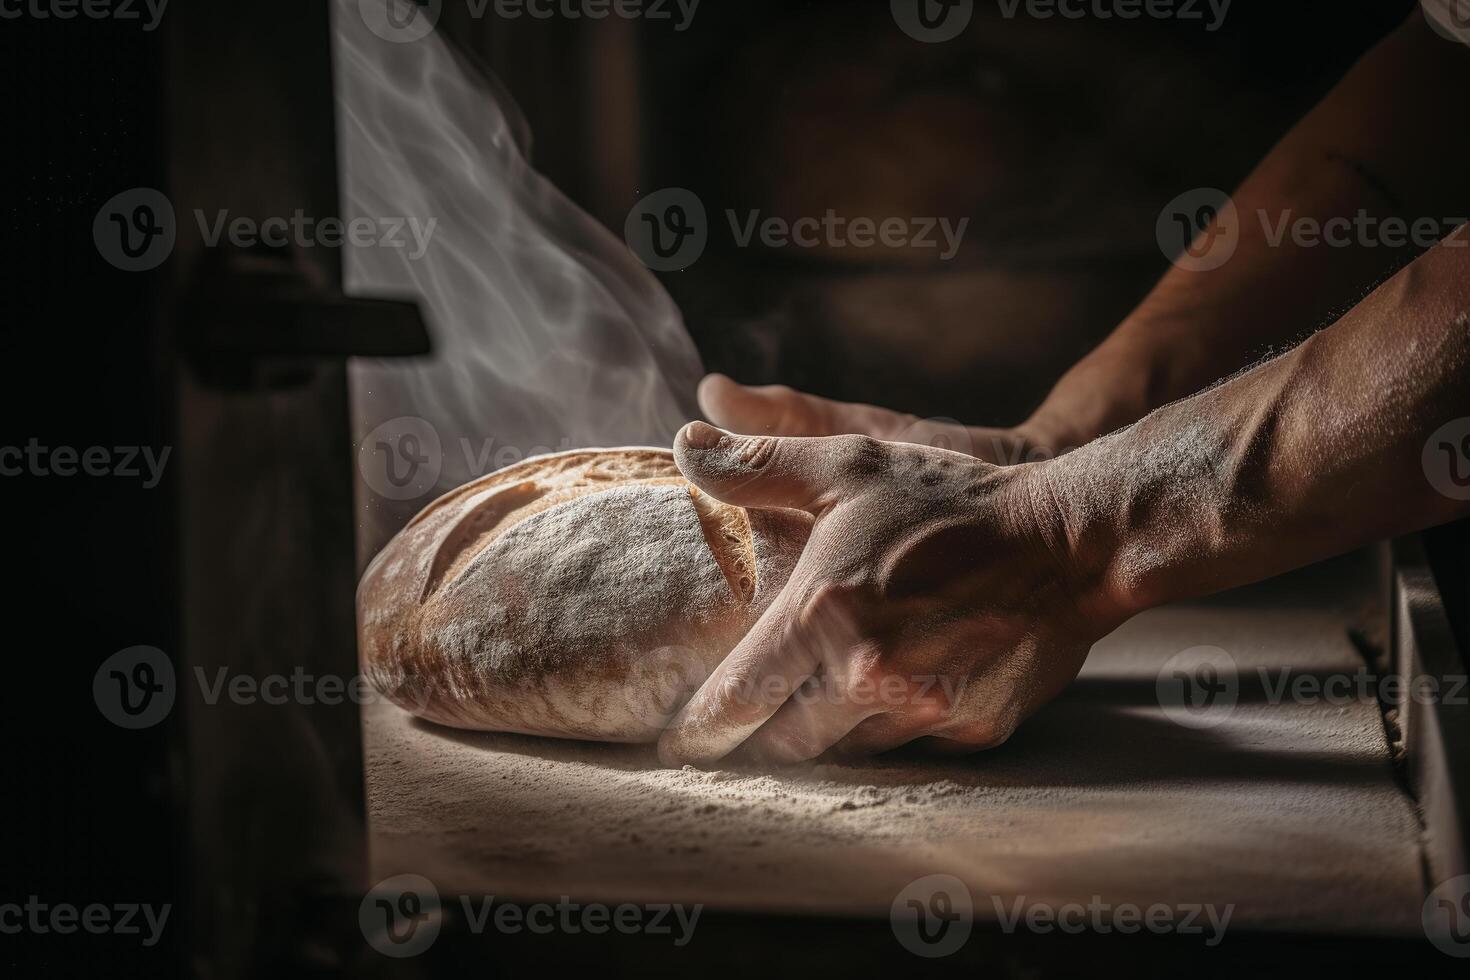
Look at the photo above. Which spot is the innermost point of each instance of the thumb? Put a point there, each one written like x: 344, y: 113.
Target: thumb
x: 765, y: 471
x: 771, y: 408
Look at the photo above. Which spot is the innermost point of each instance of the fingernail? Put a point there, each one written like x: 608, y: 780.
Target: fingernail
x: 699, y: 435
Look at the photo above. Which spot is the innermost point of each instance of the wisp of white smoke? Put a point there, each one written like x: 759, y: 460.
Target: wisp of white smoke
x: 548, y: 333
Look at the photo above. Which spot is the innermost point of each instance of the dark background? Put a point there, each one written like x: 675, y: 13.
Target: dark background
x: 1060, y: 140
x: 92, y: 810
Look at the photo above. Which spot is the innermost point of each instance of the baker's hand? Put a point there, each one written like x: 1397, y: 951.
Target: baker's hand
x: 936, y: 597
x: 782, y: 411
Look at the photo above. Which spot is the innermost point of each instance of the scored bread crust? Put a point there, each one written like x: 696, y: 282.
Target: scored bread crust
x: 584, y: 594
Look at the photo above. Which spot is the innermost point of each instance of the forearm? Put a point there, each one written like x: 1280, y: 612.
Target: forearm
x: 1306, y: 456
x: 1379, y: 143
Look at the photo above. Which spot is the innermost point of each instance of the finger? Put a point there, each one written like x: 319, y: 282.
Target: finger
x: 921, y: 711
x: 815, y: 718
x: 782, y: 411
x: 769, y: 409
x: 779, y: 410
x: 939, y: 434
x: 877, y: 734
x: 772, y: 471
x: 747, y: 688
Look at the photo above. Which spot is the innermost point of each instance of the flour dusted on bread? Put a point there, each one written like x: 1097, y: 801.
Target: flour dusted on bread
x: 583, y: 595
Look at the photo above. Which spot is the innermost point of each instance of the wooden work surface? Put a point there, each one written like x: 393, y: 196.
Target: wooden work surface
x: 1289, y: 811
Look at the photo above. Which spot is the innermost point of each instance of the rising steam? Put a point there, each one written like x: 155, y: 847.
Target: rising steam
x: 548, y: 334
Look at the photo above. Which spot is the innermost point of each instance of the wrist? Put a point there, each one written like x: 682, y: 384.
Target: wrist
x: 1073, y: 523
x: 1126, y: 546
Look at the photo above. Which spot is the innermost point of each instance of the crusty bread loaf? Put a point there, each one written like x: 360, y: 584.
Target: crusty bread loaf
x: 585, y: 594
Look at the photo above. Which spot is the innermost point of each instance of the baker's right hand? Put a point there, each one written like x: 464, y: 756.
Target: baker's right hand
x: 781, y: 411
x: 938, y: 597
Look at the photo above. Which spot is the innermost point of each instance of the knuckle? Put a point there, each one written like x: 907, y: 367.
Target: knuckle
x: 926, y: 714
x: 756, y: 452
x: 896, y: 681
x: 774, y: 749
x: 867, y: 682
x: 868, y: 670
x: 982, y: 733
x: 825, y: 607
x: 861, y: 455
x: 743, y: 694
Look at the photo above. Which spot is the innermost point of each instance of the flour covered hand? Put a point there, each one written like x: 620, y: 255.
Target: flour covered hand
x: 934, y: 600
x: 776, y: 410
x: 939, y: 596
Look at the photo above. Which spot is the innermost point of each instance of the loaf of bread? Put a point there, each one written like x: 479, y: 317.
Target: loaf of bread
x: 585, y: 594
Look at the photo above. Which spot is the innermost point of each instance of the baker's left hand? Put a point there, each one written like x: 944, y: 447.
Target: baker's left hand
x: 777, y: 410
x: 937, y: 598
